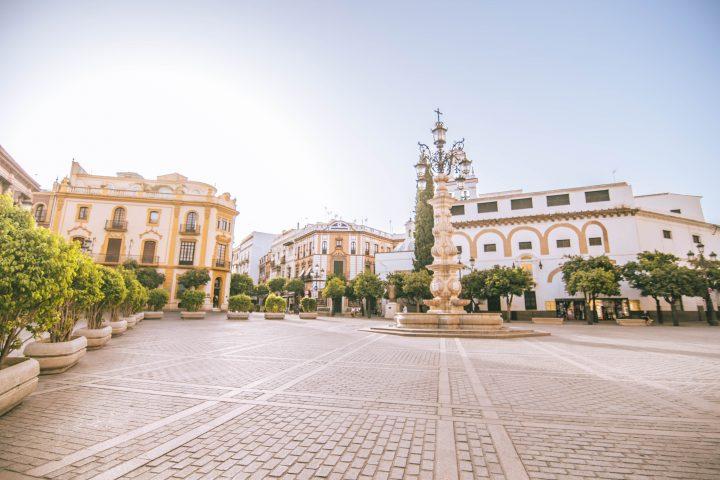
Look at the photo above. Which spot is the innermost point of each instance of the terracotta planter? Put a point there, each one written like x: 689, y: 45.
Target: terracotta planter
x: 152, y: 315
x: 274, y: 315
x: 18, y: 379
x: 118, y: 328
x: 191, y: 315
x: 131, y: 321
x: 57, y: 357
x: 238, y: 315
x: 96, y: 337
x: 308, y: 315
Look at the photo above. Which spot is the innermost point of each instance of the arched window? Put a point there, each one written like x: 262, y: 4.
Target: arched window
x: 118, y: 217
x: 191, y: 222
x: 40, y: 213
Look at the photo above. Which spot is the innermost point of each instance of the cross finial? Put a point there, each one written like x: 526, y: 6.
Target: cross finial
x: 438, y: 112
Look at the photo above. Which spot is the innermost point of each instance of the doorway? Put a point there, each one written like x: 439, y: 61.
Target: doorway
x: 217, y: 291
x: 112, y: 253
x: 493, y: 304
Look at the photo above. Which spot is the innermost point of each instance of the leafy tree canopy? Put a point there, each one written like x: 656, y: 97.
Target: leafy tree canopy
x: 194, y: 278
x: 416, y: 286
x: 149, y: 277
x: 241, y: 283
x: 334, y: 288
x: 295, y: 286
x: 240, y: 303
x: 276, y: 285
x: 157, y: 299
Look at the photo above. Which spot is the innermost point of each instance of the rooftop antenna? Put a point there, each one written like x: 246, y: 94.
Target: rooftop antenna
x: 613, y: 174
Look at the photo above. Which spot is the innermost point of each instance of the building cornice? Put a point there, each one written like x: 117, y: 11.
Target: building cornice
x: 17, y: 170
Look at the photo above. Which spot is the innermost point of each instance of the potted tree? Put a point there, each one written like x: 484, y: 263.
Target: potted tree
x: 127, y: 307
x: 309, y: 308
x: 157, y: 299
x: 63, y: 349
x: 296, y: 287
x: 140, y: 302
x: 192, y: 301
x: 239, y: 307
x: 275, y: 307
x: 36, y: 269
x: 368, y: 287
x: 191, y: 281
x: 97, y: 331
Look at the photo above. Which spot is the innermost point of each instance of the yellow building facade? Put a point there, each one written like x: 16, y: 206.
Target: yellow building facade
x: 170, y: 223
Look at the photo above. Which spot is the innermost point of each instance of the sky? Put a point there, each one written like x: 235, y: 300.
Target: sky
x: 306, y: 110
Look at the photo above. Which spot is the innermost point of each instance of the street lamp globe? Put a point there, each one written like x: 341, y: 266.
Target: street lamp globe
x: 439, y: 133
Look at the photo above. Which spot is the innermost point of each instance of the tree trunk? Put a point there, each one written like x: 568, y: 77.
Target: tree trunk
x: 588, y: 316
x: 594, y: 310
x: 711, y: 317
x: 657, y: 309
x: 508, y: 301
x: 673, y: 313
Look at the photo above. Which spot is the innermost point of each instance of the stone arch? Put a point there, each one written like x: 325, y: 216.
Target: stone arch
x: 552, y: 274
x: 506, y: 242
x: 582, y: 241
x: 606, y: 240
x: 543, y: 245
x: 471, y: 244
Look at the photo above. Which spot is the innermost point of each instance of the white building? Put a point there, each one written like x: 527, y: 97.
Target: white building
x: 537, y: 230
x: 246, y: 256
x: 401, y: 258
x: 170, y: 223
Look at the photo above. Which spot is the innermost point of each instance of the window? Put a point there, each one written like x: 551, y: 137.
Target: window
x: 82, y: 213
x: 696, y: 239
x: 191, y: 222
x: 490, y: 247
x: 324, y: 247
x: 367, y: 248
x: 119, y: 215
x: 555, y: 200
x: 530, y: 300
x: 148, y: 254
x: 525, y: 245
x: 375, y: 249
x: 521, y: 203
x: 457, y: 210
x: 40, y: 213
x: 338, y: 243
x: 221, y: 251
x: 486, y: 207
x: 459, y: 249
x: 676, y: 210
x: 187, y: 253
x: 595, y: 241
x: 563, y: 243
x: 667, y: 234
x: 597, y: 196
x: 153, y: 216
x: 352, y: 248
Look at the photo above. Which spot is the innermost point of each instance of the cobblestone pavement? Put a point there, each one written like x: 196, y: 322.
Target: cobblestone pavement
x: 323, y: 398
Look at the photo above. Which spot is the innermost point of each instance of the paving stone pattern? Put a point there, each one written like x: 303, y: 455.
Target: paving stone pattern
x: 325, y: 398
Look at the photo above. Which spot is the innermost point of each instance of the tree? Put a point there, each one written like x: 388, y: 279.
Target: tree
x: 424, y: 223
x: 416, y: 287
x: 578, y: 263
x: 395, y: 281
x: 308, y: 304
x: 241, y: 283
x: 192, y: 299
x: 709, y: 273
x: 276, y: 285
x: 275, y: 304
x: 334, y: 289
x: 134, y: 295
x: 149, y: 277
x: 591, y: 283
x: 368, y: 287
x: 192, y: 279
x: 676, y: 281
x: 113, y: 290
x: 157, y: 299
x: 83, y: 292
x: 645, y: 275
x: 36, y: 270
x: 508, y: 282
x: 260, y: 291
x: 240, y: 303
x: 297, y: 288
x: 474, y: 287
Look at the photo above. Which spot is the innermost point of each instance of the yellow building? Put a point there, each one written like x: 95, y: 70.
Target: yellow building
x: 170, y: 223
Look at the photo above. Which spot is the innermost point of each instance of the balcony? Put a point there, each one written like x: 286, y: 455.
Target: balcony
x: 190, y: 229
x: 220, y: 263
x: 42, y: 220
x: 116, y: 225
x: 117, y: 258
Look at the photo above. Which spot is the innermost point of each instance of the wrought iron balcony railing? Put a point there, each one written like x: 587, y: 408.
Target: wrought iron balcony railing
x: 190, y: 229
x: 116, y: 225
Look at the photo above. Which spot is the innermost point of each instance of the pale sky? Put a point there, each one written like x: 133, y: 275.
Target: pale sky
x: 300, y: 107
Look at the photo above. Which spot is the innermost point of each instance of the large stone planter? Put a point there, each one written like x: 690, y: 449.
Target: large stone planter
x: 131, y: 321
x: 96, y: 337
x: 633, y: 322
x: 152, y: 315
x: 308, y: 315
x: 118, y: 328
x: 192, y: 315
x: 548, y: 320
x: 57, y: 357
x: 274, y: 315
x: 140, y: 316
x: 18, y: 379
x: 238, y: 315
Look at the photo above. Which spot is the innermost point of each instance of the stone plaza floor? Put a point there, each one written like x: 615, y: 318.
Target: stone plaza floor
x: 323, y: 398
